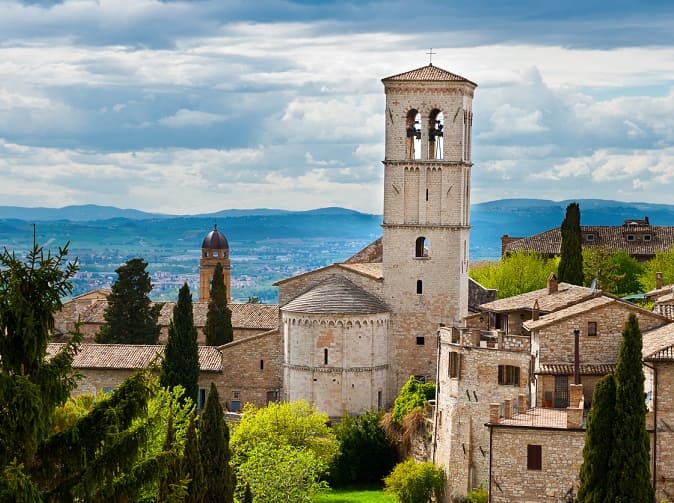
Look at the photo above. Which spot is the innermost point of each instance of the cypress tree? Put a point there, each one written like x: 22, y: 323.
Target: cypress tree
x: 181, y: 355
x: 571, y: 260
x: 629, y: 466
x: 130, y: 317
x: 192, y: 467
x: 594, y: 473
x: 218, y: 329
x: 214, y: 449
x: 247, y: 495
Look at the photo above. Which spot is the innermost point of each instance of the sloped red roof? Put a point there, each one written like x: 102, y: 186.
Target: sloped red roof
x: 427, y: 73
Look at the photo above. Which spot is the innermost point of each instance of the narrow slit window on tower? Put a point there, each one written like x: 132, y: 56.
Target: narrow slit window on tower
x: 421, y: 247
x: 420, y: 287
x: 325, y: 356
x: 426, y: 194
x: 261, y: 364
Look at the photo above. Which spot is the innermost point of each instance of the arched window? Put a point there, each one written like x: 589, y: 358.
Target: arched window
x: 435, y: 134
x: 413, y: 129
x: 420, y: 287
x: 421, y: 247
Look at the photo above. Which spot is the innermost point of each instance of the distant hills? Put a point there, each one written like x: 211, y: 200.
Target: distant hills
x: 123, y: 227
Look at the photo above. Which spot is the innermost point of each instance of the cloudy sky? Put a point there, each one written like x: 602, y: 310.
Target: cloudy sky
x: 196, y: 106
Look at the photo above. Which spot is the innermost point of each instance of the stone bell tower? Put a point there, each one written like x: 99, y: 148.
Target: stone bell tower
x: 426, y: 212
x: 214, y: 250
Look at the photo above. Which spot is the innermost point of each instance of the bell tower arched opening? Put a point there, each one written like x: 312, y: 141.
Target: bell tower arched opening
x: 436, y: 125
x: 413, y: 141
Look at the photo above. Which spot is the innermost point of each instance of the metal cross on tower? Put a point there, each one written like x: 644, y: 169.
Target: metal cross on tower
x: 430, y: 56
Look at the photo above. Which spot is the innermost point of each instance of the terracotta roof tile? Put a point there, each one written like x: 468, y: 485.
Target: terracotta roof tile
x: 657, y: 339
x: 426, y: 73
x: 131, y: 357
x: 567, y: 369
x: 336, y: 294
x: 566, y: 295
x: 373, y: 270
x: 371, y: 253
x: 613, y: 238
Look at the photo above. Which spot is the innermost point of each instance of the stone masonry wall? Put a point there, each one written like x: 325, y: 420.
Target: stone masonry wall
x: 664, y: 455
x: 561, y: 459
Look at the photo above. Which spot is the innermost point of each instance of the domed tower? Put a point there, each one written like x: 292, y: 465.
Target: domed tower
x: 426, y: 211
x: 214, y: 250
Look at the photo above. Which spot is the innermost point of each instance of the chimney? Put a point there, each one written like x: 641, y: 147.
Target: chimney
x: 494, y: 413
x: 553, y: 285
x: 658, y: 280
x: 534, y: 311
x: 647, y: 221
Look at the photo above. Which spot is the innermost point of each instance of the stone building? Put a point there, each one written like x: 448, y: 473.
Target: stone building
x: 354, y: 332
x: 214, y: 251
x: 636, y: 236
x: 521, y: 359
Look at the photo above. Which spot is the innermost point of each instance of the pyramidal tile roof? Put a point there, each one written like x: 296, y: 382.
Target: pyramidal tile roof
x: 336, y: 295
x: 428, y: 72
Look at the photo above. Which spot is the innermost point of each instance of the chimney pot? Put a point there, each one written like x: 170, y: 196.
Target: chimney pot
x: 553, y: 284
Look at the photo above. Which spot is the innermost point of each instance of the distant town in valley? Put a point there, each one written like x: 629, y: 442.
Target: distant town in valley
x: 266, y: 245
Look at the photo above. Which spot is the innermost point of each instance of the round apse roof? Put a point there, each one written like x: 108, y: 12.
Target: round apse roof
x: 215, y: 240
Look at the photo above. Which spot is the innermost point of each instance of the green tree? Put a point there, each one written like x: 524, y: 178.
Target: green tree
x: 571, y: 259
x: 630, y: 270
x: 662, y: 262
x: 594, y: 472
x: 181, y: 354
x: 413, y: 394
x: 218, y: 329
x: 130, y: 317
x: 31, y: 385
x: 294, y: 424
x: 215, y: 454
x: 413, y: 482
x: 365, y: 453
x: 516, y: 273
x: 629, y: 471
x: 597, y: 265
x: 192, y: 467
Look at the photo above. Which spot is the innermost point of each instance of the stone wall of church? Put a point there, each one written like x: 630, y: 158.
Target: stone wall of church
x: 664, y: 436
x: 339, y: 363
x: 252, y: 370
x: 293, y: 287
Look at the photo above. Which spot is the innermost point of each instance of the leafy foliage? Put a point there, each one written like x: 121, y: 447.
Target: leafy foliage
x: 181, y: 355
x: 516, y: 273
x: 214, y: 449
x: 571, y: 258
x: 616, y: 273
x: 366, y: 455
x: 218, y: 329
x: 413, y: 482
x: 130, y: 317
x: 30, y: 384
x: 281, y: 474
x: 295, y: 424
x: 413, y: 394
x: 629, y: 471
x: 594, y: 472
x: 477, y: 496
x: 662, y: 262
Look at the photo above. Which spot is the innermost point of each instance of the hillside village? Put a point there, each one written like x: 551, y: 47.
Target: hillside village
x: 515, y: 376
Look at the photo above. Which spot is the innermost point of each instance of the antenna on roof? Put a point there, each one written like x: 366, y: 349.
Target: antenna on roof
x: 430, y: 56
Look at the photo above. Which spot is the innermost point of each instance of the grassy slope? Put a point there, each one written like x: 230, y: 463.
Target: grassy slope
x: 356, y: 496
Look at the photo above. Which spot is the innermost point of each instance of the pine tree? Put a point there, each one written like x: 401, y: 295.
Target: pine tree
x: 594, y: 473
x: 130, y: 317
x: 218, y: 329
x: 571, y: 261
x: 192, y: 467
x: 629, y: 466
x: 214, y: 449
x: 31, y: 385
x: 181, y: 355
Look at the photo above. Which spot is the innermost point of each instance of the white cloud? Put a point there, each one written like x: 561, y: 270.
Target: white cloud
x: 187, y: 118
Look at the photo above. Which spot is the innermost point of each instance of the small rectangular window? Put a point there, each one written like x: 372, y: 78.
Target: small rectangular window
x: 454, y: 364
x: 630, y: 237
x: 592, y: 328
x: 534, y: 457
x: 261, y: 364
x: 590, y: 237
x: 509, y: 375
x: 201, y: 400
x: 420, y: 287
x: 420, y: 340
x: 236, y: 394
x: 236, y: 405
x: 647, y: 237
x: 325, y: 356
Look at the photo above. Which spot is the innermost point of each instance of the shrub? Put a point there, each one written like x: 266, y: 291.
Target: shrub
x: 413, y: 394
x: 413, y: 482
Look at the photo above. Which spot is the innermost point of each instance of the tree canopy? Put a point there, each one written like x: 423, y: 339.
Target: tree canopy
x: 130, y: 317
x: 571, y: 258
x: 218, y: 329
x: 181, y: 354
